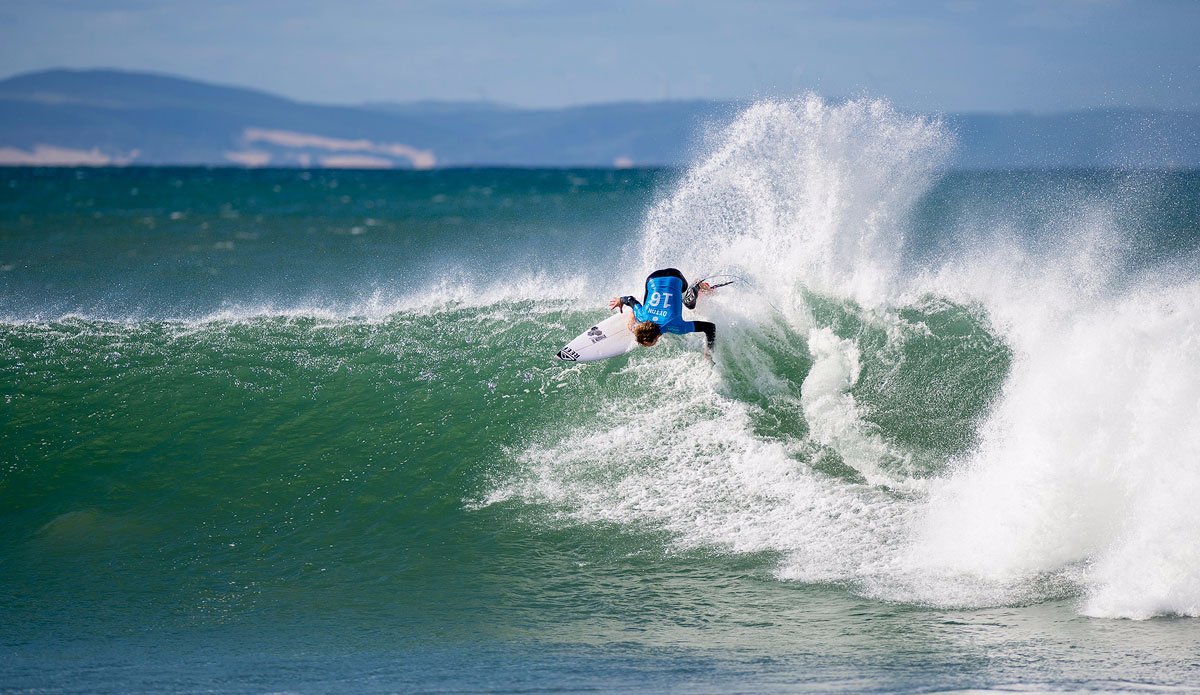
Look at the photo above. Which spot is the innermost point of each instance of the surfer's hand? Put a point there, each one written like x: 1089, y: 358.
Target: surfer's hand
x: 704, y: 288
x: 615, y: 303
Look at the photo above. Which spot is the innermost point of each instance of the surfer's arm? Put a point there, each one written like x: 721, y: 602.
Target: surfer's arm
x: 708, y: 329
x: 626, y: 301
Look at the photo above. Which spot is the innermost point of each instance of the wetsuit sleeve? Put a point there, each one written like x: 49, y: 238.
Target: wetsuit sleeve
x: 709, y: 330
x: 631, y: 302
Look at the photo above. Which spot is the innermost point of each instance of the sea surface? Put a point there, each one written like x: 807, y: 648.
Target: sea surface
x: 268, y: 431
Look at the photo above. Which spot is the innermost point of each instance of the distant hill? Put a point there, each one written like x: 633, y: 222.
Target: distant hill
x: 433, y: 106
x: 101, y: 117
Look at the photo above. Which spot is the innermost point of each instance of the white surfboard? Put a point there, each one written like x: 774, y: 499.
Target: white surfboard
x: 609, y: 338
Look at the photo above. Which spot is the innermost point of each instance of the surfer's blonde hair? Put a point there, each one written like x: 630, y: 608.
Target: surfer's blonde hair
x: 646, y: 333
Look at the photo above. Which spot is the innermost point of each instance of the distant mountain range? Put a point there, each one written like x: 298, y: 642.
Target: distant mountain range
x: 107, y: 117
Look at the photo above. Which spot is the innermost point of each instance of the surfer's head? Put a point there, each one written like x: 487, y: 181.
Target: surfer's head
x: 646, y: 333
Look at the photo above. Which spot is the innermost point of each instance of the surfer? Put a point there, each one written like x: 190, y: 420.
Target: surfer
x: 661, y: 309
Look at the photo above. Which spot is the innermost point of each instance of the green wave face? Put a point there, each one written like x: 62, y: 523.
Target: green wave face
x: 229, y: 467
x: 236, y: 466
x: 431, y: 481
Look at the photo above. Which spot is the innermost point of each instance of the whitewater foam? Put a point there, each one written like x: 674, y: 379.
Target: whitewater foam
x: 1089, y: 458
x: 716, y: 485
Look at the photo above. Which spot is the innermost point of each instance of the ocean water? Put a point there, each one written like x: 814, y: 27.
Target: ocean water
x: 301, y: 431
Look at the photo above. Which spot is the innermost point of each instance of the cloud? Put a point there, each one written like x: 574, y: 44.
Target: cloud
x: 52, y: 155
x: 250, y: 158
x: 355, y: 161
x: 420, y: 159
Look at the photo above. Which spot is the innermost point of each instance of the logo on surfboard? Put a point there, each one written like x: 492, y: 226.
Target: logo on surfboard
x: 596, y: 334
x: 567, y: 355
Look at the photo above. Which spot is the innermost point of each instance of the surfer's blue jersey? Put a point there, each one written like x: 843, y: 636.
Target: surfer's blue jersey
x: 664, y: 305
x: 666, y: 295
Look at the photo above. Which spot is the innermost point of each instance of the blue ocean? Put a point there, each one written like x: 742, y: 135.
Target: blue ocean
x: 302, y: 431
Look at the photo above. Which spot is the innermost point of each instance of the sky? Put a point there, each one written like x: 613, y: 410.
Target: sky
x: 950, y: 56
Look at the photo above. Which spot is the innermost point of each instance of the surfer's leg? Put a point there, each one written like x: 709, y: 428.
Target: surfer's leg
x: 668, y: 273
